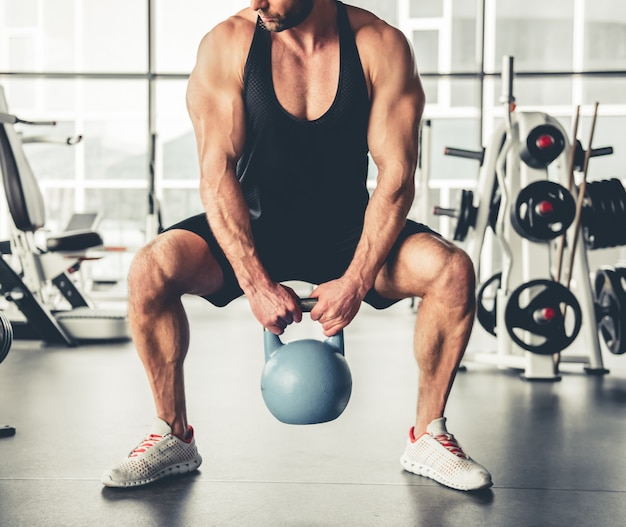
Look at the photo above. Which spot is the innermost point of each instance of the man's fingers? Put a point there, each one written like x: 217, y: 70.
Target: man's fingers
x: 284, y: 322
x: 277, y: 329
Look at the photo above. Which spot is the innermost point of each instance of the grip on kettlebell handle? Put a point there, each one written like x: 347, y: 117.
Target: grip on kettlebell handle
x: 307, y: 304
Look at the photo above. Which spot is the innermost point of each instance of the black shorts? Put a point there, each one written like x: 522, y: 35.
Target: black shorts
x: 284, y: 260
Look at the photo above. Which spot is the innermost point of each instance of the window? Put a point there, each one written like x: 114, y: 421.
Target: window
x: 605, y: 35
x: 87, y: 65
x: 537, y: 33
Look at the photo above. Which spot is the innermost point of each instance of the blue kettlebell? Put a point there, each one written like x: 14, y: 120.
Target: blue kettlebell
x: 305, y: 381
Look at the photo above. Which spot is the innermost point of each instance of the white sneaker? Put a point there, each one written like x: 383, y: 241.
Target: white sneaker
x: 437, y: 455
x: 159, y: 455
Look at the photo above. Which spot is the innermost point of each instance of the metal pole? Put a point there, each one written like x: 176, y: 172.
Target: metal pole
x: 153, y: 222
x: 480, y: 29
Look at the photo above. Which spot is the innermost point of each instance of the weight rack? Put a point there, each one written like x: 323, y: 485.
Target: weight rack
x: 518, y: 197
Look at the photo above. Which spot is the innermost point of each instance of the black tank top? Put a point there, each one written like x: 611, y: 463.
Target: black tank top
x: 306, y: 180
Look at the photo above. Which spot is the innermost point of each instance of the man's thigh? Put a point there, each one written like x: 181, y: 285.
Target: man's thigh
x: 413, y: 265
x: 206, y: 268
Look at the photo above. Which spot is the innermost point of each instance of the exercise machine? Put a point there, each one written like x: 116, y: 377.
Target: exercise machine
x: 6, y: 340
x: 38, y: 280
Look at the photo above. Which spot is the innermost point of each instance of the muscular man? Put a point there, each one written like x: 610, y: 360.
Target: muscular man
x: 286, y: 99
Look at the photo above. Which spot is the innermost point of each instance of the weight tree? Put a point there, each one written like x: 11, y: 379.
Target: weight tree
x: 534, y: 314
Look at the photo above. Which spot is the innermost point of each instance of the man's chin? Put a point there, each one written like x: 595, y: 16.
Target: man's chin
x: 272, y: 25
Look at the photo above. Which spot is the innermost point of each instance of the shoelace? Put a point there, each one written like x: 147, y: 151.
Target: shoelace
x: 448, y: 441
x: 147, y: 443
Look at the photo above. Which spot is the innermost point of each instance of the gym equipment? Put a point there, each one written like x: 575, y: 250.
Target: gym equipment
x: 6, y: 340
x: 477, y: 155
x: 543, y: 145
x: 580, y: 152
x: 579, y: 203
x: 610, y: 306
x: 543, y: 211
x: 604, y: 214
x: 305, y: 381
x: 477, y: 209
x: 465, y: 214
x: 570, y: 187
x: 524, y: 195
x: 6, y: 337
x: 536, y: 316
x: 486, y: 308
x: 154, y: 220
x: 32, y: 276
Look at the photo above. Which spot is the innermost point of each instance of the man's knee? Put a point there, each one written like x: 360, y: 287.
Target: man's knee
x: 147, y: 273
x: 457, y: 278
x: 175, y: 263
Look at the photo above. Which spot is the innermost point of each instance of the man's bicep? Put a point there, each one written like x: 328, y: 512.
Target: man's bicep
x: 394, y: 126
x: 218, y: 119
x: 397, y: 106
x: 215, y: 105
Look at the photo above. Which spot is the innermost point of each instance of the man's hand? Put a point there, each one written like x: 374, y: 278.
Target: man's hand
x: 275, y: 307
x: 337, y: 304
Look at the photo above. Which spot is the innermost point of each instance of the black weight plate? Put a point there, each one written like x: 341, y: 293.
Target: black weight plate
x: 494, y: 207
x: 537, y: 157
x: 532, y: 225
x: 620, y: 271
x: 587, y: 220
x: 597, y: 226
x: 6, y: 336
x: 610, y: 300
x: 618, y: 196
x: 466, y: 215
x: 486, y: 303
x: 606, y: 215
x: 525, y: 328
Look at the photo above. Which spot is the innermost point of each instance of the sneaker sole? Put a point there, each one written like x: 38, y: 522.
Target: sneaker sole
x: 421, y: 470
x: 173, y: 470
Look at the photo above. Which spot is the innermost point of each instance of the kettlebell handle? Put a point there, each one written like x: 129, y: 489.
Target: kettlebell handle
x: 307, y: 304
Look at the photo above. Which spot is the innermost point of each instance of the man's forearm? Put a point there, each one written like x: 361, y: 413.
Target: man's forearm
x: 228, y: 215
x: 384, y: 219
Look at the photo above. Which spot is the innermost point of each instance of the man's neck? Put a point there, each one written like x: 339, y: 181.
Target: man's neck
x: 316, y: 30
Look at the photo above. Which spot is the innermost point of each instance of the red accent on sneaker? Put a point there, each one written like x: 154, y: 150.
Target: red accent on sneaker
x: 450, y: 443
x: 412, y: 435
x: 149, y: 442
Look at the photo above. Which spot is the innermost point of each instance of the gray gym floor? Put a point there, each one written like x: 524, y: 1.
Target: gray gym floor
x: 555, y: 449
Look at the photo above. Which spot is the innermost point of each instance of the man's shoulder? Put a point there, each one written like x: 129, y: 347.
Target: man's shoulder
x: 376, y: 39
x: 370, y: 29
x: 223, y: 51
x: 228, y: 42
x: 239, y: 26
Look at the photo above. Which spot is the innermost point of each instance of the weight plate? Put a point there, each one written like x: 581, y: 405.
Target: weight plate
x: 610, y: 300
x: 531, y: 222
x: 486, y: 303
x: 6, y: 336
x: 494, y: 206
x: 539, y: 154
x: 604, y: 214
x: 543, y: 317
x: 466, y: 216
x: 618, y: 196
x: 590, y: 218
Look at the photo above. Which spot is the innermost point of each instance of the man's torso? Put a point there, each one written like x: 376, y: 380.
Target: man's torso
x: 304, y: 167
